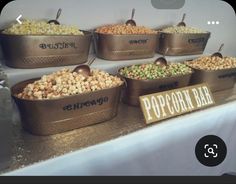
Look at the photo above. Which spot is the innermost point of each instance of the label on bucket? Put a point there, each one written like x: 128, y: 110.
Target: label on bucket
x: 196, y: 40
x: 164, y: 105
x: 138, y: 42
x: 58, y: 45
x: 227, y: 75
x: 86, y: 104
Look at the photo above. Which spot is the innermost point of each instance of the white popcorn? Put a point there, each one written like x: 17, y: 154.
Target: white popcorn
x: 182, y: 29
x: 65, y: 83
x: 33, y: 27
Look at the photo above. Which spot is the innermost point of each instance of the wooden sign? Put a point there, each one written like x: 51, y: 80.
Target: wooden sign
x: 167, y: 104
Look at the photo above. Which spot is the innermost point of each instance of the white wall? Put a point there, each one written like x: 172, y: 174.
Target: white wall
x: 88, y: 14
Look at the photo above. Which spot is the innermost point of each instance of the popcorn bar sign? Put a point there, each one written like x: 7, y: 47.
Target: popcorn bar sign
x: 164, y: 105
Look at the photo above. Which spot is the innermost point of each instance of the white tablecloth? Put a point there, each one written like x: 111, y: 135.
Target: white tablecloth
x: 167, y: 148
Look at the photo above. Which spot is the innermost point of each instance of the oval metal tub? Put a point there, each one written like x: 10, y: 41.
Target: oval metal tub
x: 37, y: 51
x: 45, y: 117
x: 182, y: 44
x: 217, y: 80
x: 125, y: 47
x: 136, y: 88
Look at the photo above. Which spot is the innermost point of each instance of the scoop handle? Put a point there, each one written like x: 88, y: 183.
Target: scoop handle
x: 167, y: 49
x: 91, y: 61
x: 58, y: 13
x: 132, y: 15
x: 221, y: 47
x: 183, y: 18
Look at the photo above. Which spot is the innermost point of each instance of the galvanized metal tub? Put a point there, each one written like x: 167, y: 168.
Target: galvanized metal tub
x: 136, y: 88
x: 217, y: 80
x: 182, y: 44
x: 37, y: 51
x: 45, y: 117
x: 6, y: 125
x: 125, y: 47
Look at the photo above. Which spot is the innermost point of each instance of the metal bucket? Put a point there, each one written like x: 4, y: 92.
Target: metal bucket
x: 136, y: 88
x: 45, y: 117
x: 6, y: 122
x: 125, y: 47
x: 37, y: 51
x: 217, y: 80
x: 182, y: 44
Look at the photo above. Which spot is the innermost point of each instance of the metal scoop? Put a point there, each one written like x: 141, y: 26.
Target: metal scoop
x: 162, y: 60
x: 182, y: 23
x: 84, y: 69
x: 131, y: 21
x: 218, y: 54
x: 57, y: 17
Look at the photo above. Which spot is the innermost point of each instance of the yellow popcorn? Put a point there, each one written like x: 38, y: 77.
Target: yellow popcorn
x: 33, y: 27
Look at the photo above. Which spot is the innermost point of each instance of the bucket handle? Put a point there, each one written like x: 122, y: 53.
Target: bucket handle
x: 95, y: 40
